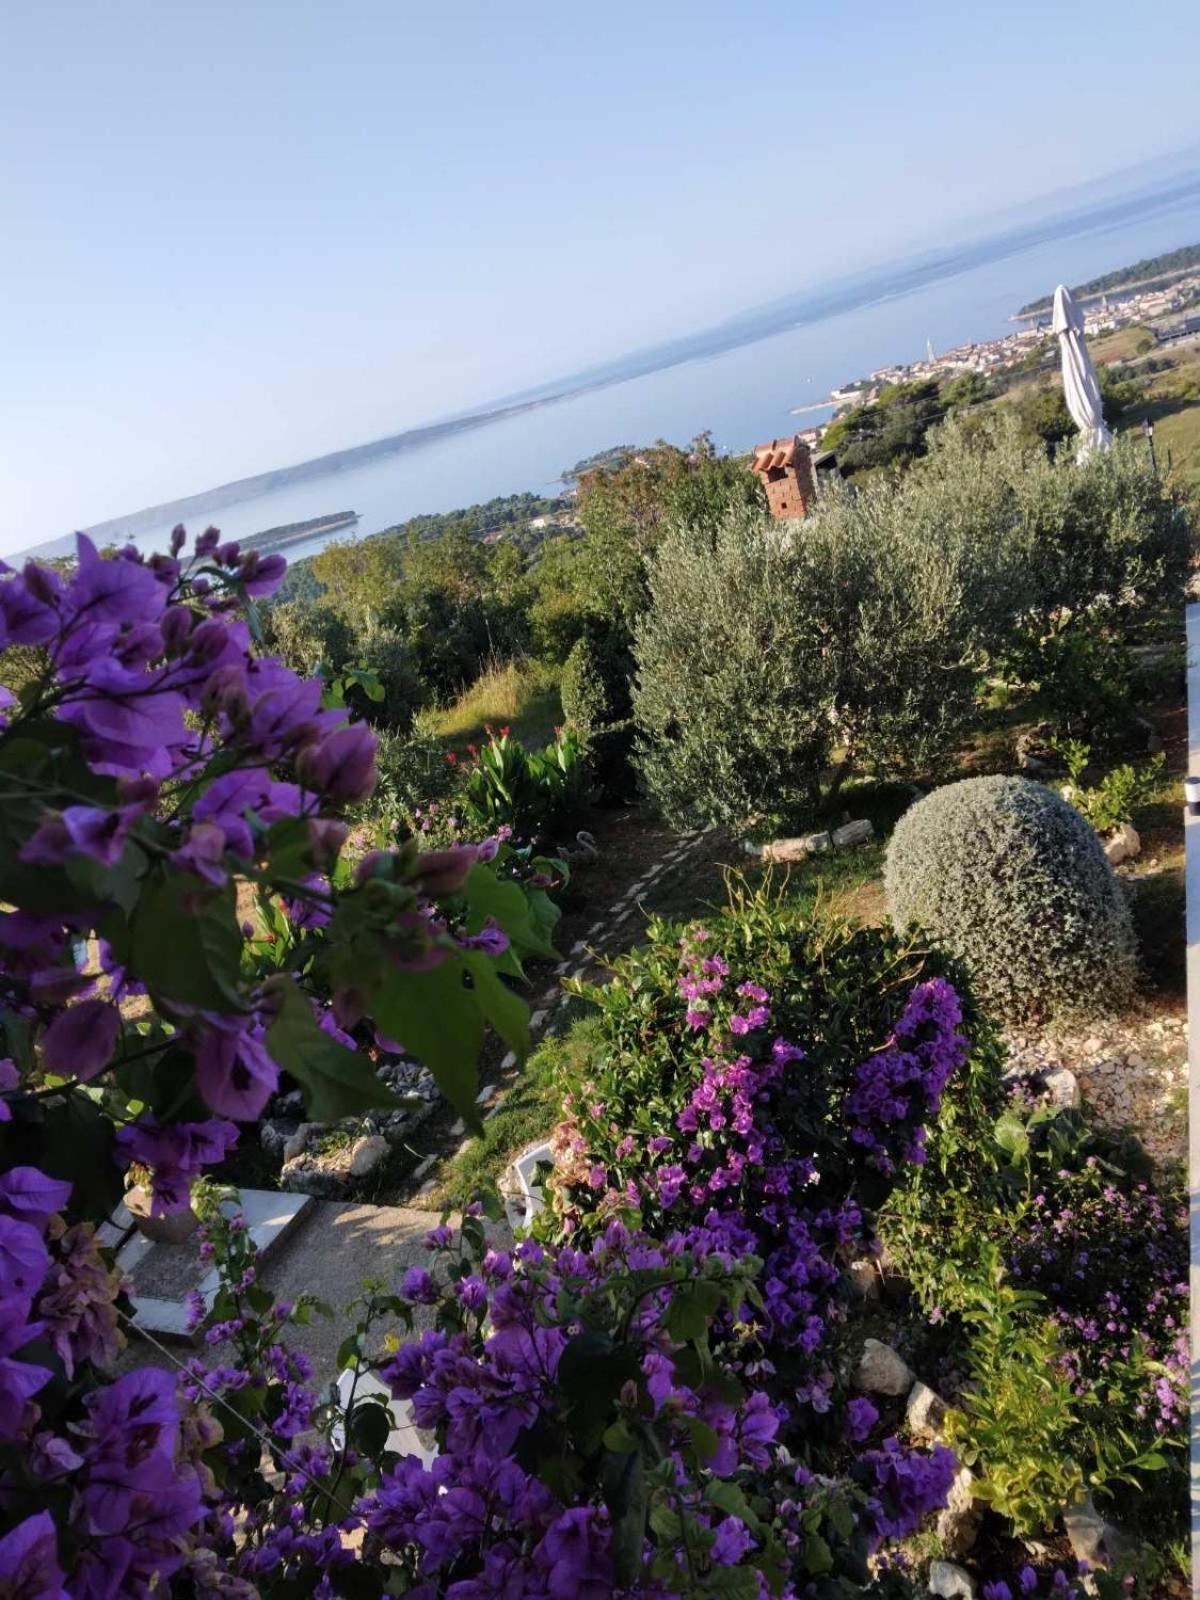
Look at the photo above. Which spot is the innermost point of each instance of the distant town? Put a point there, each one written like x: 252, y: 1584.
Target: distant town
x: 1166, y: 304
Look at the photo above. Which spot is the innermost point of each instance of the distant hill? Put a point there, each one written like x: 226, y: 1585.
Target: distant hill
x: 1152, y: 267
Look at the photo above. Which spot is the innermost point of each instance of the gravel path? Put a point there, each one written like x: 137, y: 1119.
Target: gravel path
x: 1132, y: 1072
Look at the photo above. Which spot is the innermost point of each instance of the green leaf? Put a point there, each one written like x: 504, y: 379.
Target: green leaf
x: 736, y: 1583
x: 336, y: 1082
x: 506, y: 902
x: 624, y: 1483
x: 185, y: 942
x: 369, y: 1426
x: 818, y: 1557
x: 506, y: 1011
x: 692, y: 1308
x: 439, y: 1019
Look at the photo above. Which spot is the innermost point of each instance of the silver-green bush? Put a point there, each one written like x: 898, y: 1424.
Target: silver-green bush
x: 1010, y: 879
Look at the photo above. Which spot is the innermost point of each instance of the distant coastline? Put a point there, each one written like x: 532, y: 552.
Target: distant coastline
x: 889, y: 281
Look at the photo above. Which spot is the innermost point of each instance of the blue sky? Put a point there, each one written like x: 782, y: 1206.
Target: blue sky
x: 237, y: 235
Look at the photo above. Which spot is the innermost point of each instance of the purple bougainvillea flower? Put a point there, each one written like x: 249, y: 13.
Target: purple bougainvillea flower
x: 24, y: 1259
x: 133, y: 1428
x: 111, y: 591
x: 203, y: 852
x: 30, y: 1196
x: 19, y: 1380
x: 80, y: 1041
x: 81, y: 830
x: 29, y: 606
x: 29, y: 1568
x: 342, y: 766
x: 234, y: 1073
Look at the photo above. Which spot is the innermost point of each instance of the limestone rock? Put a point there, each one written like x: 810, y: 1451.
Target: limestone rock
x: 1062, y: 1087
x: 881, y: 1371
x: 958, y: 1520
x: 785, y: 850
x: 950, y: 1581
x: 366, y: 1154
x: 274, y: 1133
x: 1122, y: 844
x: 817, y: 842
x: 853, y: 833
x: 1092, y: 1538
x: 307, y: 1175
x: 297, y: 1144
x: 925, y: 1412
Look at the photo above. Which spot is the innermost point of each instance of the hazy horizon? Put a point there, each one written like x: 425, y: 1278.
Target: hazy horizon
x: 238, y: 246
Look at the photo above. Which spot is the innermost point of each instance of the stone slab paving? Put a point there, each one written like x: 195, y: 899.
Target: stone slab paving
x: 162, y: 1276
x: 332, y: 1252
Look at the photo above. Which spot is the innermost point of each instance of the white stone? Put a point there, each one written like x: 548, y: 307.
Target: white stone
x: 853, y: 833
x: 298, y: 1143
x: 958, y: 1520
x: 1062, y: 1086
x: 925, y: 1412
x: 785, y: 850
x: 950, y: 1581
x: 881, y: 1371
x: 1122, y: 844
x: 1092, y: 1539
x: 366, y: 1154
x: 751, y: 848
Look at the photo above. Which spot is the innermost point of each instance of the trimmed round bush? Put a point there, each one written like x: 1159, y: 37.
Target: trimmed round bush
x: 1014, y: 882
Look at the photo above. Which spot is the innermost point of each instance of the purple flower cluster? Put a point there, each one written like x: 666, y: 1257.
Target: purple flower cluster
x: 899, y: 1088
x: 478, y: 1523
x: 133, y: 1492
x: 176, y: 1155
x: 1113, y: 1267
x: 731, y: 1171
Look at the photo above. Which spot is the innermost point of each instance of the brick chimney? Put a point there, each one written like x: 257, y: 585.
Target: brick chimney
x: 785, y: 468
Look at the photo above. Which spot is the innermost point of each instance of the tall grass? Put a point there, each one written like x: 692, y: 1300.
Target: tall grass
x: 522, y: 696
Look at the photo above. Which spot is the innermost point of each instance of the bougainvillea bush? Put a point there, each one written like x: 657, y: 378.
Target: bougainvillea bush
x: 790, y: 1080
x: 153, y: 768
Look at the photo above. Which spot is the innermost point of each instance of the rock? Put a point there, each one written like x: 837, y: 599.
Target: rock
x: 958, y: 1520
x: 785, y: 850
x: 366, y: 1154
x: 307, y: 1175
x: 275, y: 1132
x: 950, y: 1581
x: 752, y: 849
x: 1122, y: 844
x: 1062, y: 1087
x: 881, y: 1371
x: 1033, y: 749
x: 864, y: 1275
x: 298, y: 1143
x: 817, y: 842
x: 925, y: 1412
x: 1092, y: 1538
x: 853, y: 833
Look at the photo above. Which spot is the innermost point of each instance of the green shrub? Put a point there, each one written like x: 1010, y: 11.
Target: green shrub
x: 419, y: 788
x: 597, y: 701
x: 1018, y: 1424
x: 595, y: 681
x: 1113, y: 801
x: 1012, y: 880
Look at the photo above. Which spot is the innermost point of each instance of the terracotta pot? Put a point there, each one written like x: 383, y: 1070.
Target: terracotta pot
x: 176, y: 1228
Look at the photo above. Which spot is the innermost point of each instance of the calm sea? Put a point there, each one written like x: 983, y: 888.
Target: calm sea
x: 740, y: 381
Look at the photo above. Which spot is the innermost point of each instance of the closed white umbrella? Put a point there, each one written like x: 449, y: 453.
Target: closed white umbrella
x: 1080, y: 386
